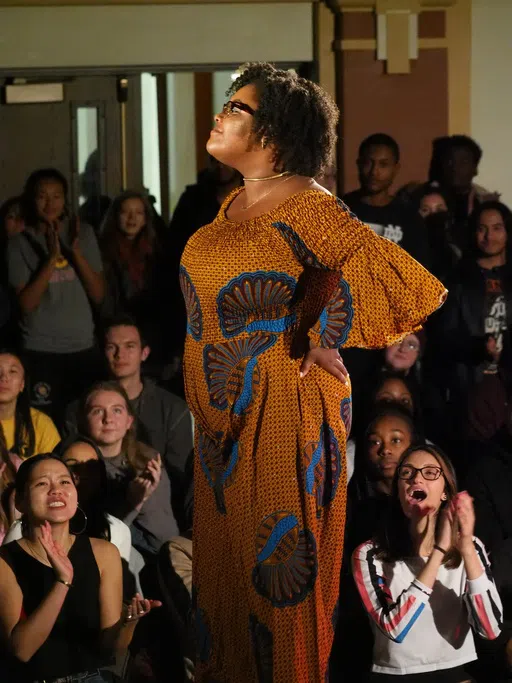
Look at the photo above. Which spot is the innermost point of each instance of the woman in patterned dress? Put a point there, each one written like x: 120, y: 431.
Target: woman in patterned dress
x: 282, y: 278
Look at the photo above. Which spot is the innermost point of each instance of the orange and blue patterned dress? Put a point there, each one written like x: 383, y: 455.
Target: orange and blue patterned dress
x: 270, y: 472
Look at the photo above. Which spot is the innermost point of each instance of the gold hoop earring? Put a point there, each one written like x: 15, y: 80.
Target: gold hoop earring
x: 84, y: 527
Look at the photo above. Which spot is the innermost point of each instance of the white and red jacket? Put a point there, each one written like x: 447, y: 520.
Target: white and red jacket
x: 419, y: 629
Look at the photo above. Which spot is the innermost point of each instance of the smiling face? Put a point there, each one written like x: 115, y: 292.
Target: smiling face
x: 420, y: 490
x: 50, y: 200
x: 385, y: 444
x: 108, y: 418
x: 403, y: 355
x: 132, y: 217
x: 491, y: 234
x: 50, y: 494
x: 394, y: 390
x: 231, y: 138
x: 12, y: 378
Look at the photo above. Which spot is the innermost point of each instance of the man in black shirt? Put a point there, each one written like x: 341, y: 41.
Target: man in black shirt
x: 453, y: 168
x: 378, y: 163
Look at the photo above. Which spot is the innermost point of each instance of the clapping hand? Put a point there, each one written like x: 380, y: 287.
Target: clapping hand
x: 53, y: 241
x: 144, y: 485
x: 457, y: 523
x: 138, y: 608
x: 57, y: 556
x: 327, y: 359
x: 464, y: 514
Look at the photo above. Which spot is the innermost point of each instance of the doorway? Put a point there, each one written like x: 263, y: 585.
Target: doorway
x: 82, y: 137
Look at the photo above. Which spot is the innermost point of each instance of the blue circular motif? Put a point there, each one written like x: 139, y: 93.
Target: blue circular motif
x: 192, y: 304
x: 335, y: 320
x: 322, y: 462
x: 256, y: 302
x: 232, y: 373
x: 286, y: 564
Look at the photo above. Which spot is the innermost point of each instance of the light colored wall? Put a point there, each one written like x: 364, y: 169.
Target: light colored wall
x: 491, y: 93
x: 37, y: 37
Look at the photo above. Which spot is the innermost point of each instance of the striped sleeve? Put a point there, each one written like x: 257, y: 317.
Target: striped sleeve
x: 394, y: 616
x: 483, y: 603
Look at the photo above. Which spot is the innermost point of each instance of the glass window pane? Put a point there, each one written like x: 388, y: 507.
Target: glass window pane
x: 88, y: 153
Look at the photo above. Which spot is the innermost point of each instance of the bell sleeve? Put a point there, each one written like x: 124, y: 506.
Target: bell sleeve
x: 377, y: 293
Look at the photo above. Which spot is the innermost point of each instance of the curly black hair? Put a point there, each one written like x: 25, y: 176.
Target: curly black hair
x: 294, y: 115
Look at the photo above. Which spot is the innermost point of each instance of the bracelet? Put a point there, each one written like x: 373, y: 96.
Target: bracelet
x: 68, y: 584
x: 441, y: 550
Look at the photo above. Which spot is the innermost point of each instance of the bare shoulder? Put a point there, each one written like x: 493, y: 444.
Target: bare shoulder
x: 7, y: 575
x: 105, y: 553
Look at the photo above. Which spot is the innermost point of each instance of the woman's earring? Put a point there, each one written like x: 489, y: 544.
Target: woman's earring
x: 444, y: 497
x: 263, y: 143
x: 84, y: 527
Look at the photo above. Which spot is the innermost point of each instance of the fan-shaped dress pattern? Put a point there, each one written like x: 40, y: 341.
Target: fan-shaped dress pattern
x: 270, y: 475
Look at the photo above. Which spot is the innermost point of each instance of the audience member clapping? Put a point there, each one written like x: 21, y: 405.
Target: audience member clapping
x: 139, y: 488
x: 60, y: 593
x: 55, y: 267
x: 163, y: 419
x: 425, y: 579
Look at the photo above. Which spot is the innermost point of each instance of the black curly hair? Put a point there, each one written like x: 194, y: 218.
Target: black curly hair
x: 294, y: 115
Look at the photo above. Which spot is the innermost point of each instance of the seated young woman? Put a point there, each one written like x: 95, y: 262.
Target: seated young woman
x: 425, y: 579
x: 9, y: 464
x: 61, y: 612
x: 138, y: 487
x: 388, y: 435
x: 84, y: 460
x: 26, y: 430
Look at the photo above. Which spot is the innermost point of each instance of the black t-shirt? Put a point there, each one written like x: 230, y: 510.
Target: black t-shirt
x: 397, y: 221
x: 495, y: 304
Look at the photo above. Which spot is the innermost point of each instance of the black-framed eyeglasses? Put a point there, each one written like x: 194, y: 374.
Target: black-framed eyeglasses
x: 232, y: 106
x: 430, y: 472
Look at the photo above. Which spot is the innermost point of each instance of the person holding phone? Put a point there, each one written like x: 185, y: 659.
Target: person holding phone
x: 55, y: 268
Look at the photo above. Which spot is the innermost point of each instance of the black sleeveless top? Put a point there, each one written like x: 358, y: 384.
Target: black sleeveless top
x: 72, y: 646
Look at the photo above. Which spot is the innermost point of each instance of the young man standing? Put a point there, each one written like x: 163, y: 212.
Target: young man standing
x: 163, y: 419
x: 378, y: 163
x: 454, y: 166
x: 471, y: 334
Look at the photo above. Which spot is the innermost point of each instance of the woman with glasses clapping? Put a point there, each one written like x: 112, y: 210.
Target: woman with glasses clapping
x: 425, y: 579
